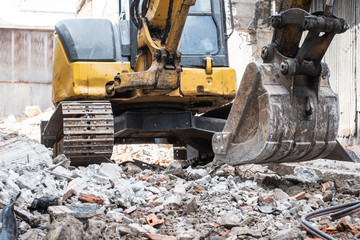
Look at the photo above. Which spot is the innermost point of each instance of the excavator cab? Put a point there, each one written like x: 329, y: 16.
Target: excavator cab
x: 204, y: 35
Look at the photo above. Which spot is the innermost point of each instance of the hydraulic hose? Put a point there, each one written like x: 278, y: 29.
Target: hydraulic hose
x: 338, y: 212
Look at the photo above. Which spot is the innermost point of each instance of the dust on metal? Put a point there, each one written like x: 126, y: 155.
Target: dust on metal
x: 83, y: 131
x: 285, y: 109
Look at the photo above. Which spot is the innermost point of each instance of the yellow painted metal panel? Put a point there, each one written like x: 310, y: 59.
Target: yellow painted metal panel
x: 195, y: 82
x: 87, y: 81
x: 82, y: 80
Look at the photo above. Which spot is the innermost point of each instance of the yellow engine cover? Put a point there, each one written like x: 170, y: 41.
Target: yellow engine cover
x: 87, y: 81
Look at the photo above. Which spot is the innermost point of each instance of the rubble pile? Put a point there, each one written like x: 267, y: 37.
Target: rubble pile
x: 30, y: 126
x: 161, y: 154
x: 123, y: 201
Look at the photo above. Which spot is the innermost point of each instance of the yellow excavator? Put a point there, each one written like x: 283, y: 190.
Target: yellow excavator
x: 162, y: 75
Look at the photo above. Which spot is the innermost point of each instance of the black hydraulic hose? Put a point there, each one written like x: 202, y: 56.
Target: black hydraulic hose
x: 340, y: 211
x: 144, y: 8
x: 347, y: 211
x: 231, y: 20
x: 134, y: 13
x: 168, y: 23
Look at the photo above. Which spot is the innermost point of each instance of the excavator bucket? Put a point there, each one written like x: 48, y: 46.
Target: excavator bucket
x: 285, y: 109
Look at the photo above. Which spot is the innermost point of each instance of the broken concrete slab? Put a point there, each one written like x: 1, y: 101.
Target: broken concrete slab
x: 29, y: 181
x: 135, y: 227
x: 78, y: 184
x: 116, y: 214
x: 158, y: 237
x: 303, y: 174
x: 286, y: 234
x: 196, y: 173
x: 65, y: 228
x: 110, y: 170
x: 77, y: 211
x: 18, y: 149
x: 240, y: 231
x: 61, y: 160
x: 176, y: 169
x: 230, y: 219
x: 31, y: 234
x: 95, y: 228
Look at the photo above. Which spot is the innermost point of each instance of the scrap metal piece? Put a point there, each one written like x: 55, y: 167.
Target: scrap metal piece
x: 9, y: 223
x: 143, y: 165
x: 285, y: 109
x: 42, y: 204
x: 9, y: 229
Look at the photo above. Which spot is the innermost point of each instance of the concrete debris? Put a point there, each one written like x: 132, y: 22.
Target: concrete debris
x: 161, y: 154
x: 17, y: 149
x: 65, y: 228
x: 280, y: 194
x: 112, y: 200
x: 78, y: 211
x: 32, y: 111
x: 176, y: 169
x: 158, y: 237
x: 191, y: 205
x: 31, y: 234
x: 110, y: 170
x: 69, y: 194
x: 29, y: 126
x: 328, y: 195
x: 152, y: 220
x: 95, y: 228
x: 196, y: 173
x: 61, y: 160
x: 354, y: 152
x: 303, y: 175
x: 293, y: 233
x: 230, y: 219
x: 241, y: 231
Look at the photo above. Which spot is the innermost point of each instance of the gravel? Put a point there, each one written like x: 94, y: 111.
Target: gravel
x: 245, y: 202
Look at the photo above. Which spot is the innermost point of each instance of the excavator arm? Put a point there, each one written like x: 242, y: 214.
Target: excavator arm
x: 160, y: 25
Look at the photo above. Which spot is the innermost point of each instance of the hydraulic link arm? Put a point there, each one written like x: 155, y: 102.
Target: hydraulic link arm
x: 285, y: 109
x: 160, y: 26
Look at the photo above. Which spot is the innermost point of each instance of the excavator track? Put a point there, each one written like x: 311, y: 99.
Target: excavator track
x: 82, y: 130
